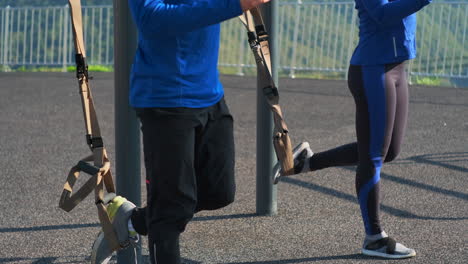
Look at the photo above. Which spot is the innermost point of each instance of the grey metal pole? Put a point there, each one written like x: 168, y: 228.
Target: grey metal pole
x: 66, y: 13
x: 127, y: 134
x: 7, y: 39
x: 266, y: 191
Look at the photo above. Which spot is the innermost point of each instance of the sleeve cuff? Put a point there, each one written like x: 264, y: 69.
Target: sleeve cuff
x: 236, y: 7
x: 424, y: 2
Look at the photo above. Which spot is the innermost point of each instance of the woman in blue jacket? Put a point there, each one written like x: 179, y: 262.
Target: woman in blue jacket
x: 377, y: 81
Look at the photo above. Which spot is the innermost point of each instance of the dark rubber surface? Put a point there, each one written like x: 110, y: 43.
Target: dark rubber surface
x: 424, y: 192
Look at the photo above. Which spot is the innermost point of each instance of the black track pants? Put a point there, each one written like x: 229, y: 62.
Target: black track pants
x: 381, y: 96
x: 189, y: 160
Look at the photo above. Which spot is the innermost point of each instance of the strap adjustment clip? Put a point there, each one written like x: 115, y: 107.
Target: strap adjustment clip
x: 261, y: 33
x: 270, y: 91
x: 88, y: 168
x: 81, y: 66
x: 252, y: 39
x: 94, y: 142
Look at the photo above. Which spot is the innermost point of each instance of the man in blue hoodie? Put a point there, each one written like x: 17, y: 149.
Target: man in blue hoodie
x: 187, y: 128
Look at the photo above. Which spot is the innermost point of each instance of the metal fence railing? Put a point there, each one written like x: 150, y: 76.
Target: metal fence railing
x: 313, y: 37
x: 42, y: 36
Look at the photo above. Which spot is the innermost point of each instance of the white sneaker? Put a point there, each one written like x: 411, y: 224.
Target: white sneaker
x: 119, y: 210
x: 387, y: 248
x: 301, y: 154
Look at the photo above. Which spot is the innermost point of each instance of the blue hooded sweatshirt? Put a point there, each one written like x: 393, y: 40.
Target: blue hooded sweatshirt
x: 176, y: 60
x: 386, y: 31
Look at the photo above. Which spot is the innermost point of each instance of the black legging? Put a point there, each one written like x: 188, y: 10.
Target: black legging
x: 381, y: 96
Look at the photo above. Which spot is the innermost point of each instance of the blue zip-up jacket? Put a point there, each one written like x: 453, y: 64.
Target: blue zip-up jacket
x: 176, y: 61
x: 386, y: 31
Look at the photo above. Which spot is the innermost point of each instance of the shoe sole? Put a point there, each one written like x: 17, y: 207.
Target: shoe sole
x: 387, y: 256
x: 296, y: 151
x: 100, y: 239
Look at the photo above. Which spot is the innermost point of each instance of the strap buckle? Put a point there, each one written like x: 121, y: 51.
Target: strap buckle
x: 261, y: 33
x: 270, y: 91
x: 94, y: 142
x: 81, y: 66
x: 252, y: 39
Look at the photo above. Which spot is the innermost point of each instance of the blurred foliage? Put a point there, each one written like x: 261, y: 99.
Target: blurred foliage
x: 23, y: 3
x: 91, y: 68
x: 431, y: 81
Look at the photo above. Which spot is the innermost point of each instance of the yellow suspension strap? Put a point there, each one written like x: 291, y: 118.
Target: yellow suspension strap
x: 258, y: 42
x: 96, y: 165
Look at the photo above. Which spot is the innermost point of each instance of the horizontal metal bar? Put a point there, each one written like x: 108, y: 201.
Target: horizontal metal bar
x: 315, y: 47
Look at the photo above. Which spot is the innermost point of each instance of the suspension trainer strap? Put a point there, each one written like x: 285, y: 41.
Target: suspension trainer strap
x: 97, y: 165
x: 258, y: 42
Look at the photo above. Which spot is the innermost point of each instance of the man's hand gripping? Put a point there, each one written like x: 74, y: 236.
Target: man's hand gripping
x: 249, y: 4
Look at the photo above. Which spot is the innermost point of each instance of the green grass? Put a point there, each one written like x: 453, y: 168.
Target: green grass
x: 429, y: 81
x: 91, y: 68
x: 37, y: 69
x: 316, y: 75
x: 286, y: 73
x: 415, y: 80
x: 4, y: 68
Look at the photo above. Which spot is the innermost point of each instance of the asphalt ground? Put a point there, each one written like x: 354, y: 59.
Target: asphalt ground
x: 424, y: 192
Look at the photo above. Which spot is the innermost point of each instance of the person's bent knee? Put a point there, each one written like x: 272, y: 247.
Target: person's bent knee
x: 226, y: 199
x: 216, y: 201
